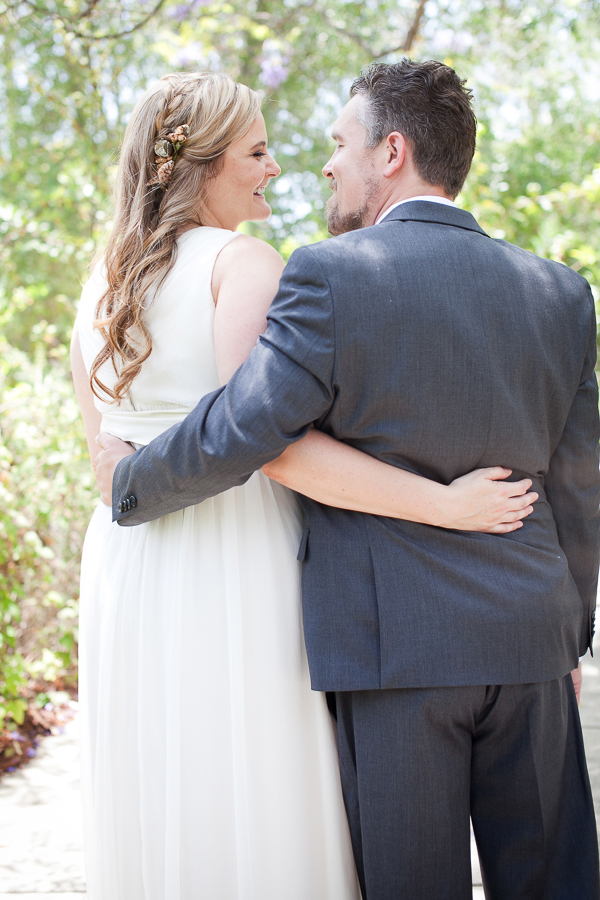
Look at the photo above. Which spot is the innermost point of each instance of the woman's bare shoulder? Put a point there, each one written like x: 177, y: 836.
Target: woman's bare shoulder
x: 250, y: 251
x: 246, y: 257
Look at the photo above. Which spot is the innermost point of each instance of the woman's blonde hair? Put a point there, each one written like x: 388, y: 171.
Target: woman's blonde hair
x: 142, y: 246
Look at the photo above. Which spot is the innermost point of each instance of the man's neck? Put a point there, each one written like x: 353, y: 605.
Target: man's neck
x: 407, y: 193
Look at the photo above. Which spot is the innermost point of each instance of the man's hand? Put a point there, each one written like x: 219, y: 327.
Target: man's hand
x: 577, y: 681
x: 112, y: 451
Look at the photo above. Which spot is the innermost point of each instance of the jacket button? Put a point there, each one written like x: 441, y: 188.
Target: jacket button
x: 133, y: 502
x: 120, y: 506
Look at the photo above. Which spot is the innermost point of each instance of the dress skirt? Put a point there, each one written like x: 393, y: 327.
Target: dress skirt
x: 209, y: 766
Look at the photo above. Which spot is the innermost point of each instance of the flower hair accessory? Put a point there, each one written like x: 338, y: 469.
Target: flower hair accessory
x: 165, y: 154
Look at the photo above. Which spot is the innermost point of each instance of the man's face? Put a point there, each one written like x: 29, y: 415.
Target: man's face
x: 352, y: 174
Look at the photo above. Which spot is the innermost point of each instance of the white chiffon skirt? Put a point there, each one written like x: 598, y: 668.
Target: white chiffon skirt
x: 209, y: 766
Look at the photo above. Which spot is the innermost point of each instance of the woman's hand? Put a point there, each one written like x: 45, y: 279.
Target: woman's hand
x: 482, y: 501
x: 577, y: 681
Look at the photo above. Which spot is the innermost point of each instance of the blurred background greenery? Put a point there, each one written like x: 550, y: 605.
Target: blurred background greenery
x: 70, y: 72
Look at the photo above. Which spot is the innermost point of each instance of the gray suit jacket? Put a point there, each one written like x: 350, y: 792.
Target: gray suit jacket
x: 429, y: 345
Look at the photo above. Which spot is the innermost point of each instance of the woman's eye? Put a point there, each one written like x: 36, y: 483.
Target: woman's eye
x: 259, y: 154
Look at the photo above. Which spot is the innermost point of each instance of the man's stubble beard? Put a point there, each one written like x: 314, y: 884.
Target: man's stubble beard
x: 356, y: 218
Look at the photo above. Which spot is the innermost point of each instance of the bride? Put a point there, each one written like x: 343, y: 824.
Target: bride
x: 209, y: 766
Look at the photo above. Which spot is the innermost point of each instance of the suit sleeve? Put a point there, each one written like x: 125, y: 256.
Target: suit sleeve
x: 270, y: 402
x: 573, y: 488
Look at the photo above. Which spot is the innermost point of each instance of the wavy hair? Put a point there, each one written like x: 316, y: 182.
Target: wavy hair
x: 142, y: 246
x: 431, y: 106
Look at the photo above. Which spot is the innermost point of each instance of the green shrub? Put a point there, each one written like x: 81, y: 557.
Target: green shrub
x: 47, y: 492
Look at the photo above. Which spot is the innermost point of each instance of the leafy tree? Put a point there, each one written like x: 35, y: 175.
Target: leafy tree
x: 535, y: 177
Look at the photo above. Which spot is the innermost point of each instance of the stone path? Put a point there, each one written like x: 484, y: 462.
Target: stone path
x: 590, y: 718
x: 41, y: 847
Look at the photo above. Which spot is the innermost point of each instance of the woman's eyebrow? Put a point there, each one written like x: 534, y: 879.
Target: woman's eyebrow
x: 260, y: 144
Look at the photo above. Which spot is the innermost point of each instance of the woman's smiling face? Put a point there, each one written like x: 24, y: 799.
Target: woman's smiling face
x: 236, y: 194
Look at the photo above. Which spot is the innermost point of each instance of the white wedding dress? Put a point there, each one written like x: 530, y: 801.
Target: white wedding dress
x: 209, y: 766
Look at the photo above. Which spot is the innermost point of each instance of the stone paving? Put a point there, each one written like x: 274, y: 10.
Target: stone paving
x: 590, y: 718
x: 41, y: 846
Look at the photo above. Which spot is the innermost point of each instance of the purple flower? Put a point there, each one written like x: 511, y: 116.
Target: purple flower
x: 273, y: 72
x: 183, y: 10
x: 49, y: 707
x: 273, y: 66
x: 16, y: 736
x: 31, y: 752
x: 12, y: 769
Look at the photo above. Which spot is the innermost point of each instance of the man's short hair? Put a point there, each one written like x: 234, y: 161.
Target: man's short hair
x: 431, y: 107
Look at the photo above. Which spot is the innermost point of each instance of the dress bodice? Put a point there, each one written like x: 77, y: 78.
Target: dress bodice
x: 181, y: 367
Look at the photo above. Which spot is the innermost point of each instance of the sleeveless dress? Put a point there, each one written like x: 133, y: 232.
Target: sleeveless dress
x: 209, y: 766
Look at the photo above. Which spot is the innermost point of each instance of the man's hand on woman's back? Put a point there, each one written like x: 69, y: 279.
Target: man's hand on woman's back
x: 112, y: 451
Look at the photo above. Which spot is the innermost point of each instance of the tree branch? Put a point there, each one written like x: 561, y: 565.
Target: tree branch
x: 90, y: 9
x: 340, y: 30
x: 41, y: 10
x: 356, y: 38
x: 114, y: 35
x: 88, y: 36
x: 290, y: 15
x: 406, y: 45
x: 414, y: 28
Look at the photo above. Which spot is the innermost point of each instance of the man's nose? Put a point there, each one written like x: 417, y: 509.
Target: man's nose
x: 326, y: 170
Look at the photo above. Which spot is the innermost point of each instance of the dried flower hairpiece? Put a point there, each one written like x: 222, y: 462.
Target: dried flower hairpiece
x: 165, y: 154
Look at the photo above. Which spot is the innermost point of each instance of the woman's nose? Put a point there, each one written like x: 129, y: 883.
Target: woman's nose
x: 274, y: 170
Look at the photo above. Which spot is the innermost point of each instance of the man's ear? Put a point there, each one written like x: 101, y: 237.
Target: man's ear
x: 395, y: 153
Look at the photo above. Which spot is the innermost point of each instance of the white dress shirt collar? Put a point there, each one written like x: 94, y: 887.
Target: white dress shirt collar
x: 431, y: 197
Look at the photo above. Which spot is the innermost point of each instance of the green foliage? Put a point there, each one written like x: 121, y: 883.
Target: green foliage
x: 62, y: 106
x: 46, y: 492
x: 562, y: 223
x: 535, y: 179
x: 70, y: 72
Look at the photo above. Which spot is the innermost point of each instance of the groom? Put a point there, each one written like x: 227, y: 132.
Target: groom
x: 417, y: 338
